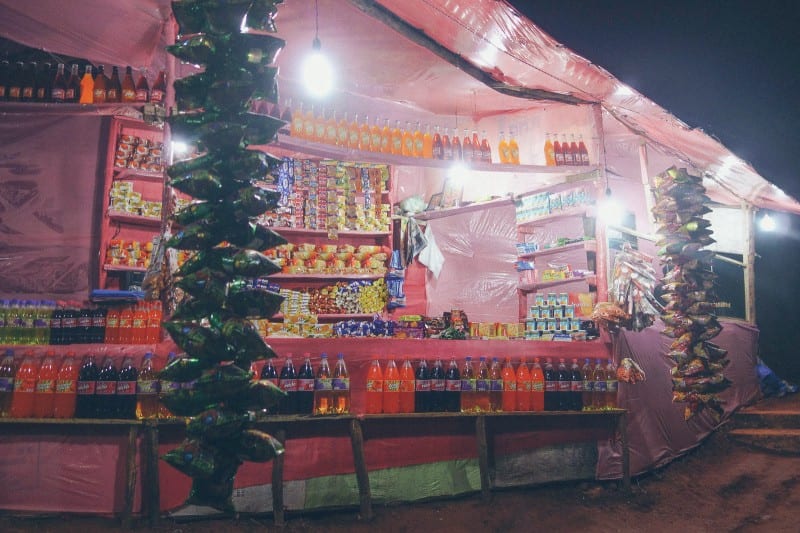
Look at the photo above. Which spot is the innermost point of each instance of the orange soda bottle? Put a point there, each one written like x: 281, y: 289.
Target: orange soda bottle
x: 509, y: 399
x: 66, y: 388
x: 549, y: 151
x: 139, y: 324
x: 309, y: 124
x: 154, y: 323
x: 364, y: 135
x: 374, y: 389
x: 320, y: 126
x: 407, y: 387
x: 298, y: 117
x: 523, y: 387
x: 45, y: 387
x: 323, y: 388
x: 486, y: 149
x: 375, y: 137
x: 513, y: 148
x: 427, y: 143
x: 24, y: 387
x: 391, y: 388
x: 502, y: 148
x: 341, y: 387
x: 418, y: 142
x: 386, y: 138
x: 353, y: 133
x: 331, y: 129
x: 342, y: 131
x: 537, y: 386
x: 125, y: 325
x: 397, y: 139
x: 408, y: 141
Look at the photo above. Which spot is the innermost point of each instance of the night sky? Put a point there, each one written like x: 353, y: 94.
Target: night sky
x: 731, y: 68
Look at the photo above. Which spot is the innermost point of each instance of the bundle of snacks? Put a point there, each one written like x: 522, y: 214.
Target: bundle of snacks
x: 632, y: 288
x: 688, y: 290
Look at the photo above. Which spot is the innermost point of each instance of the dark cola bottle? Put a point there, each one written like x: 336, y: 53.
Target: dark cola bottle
x: 85, y: 404
x: 422, y: 388
x: 452, y: 401
x: 126, y: 390
x: 106, y: 390
x: 288, y: 384
x: 305, y: 388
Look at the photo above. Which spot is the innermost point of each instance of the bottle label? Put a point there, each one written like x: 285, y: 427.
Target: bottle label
x: 599, y: 386
x: 274, y: 381
x: 126, y: 388
x: 524, y: 386
x: 27, y: 92
x: 128, y: 95
x: 482, y: 385
x: 111, y: 95
x: 440, y: 385
x: 156, y: 96
x: 69, y: 322
x: 392, y: 385
x: 2, y: 92
x: 374, y: 385
x: 66, y: 386
x: 323, y: 384
x: 40, y: 323
x: 45, y: 385
x: 407, y: 385
x: 397, y: 145
x: 352, y: 138
x: 559, y: 158
x: 84, y: 322
x: 308, y: 128
x: 105, y: 388
x: 99, y: 95
x: 319, y: 131
x: 453, y: 385
x: 588, y: 385
x: 141, y: 95
x: 422, y: 385
x: 86, y: 387
x: 24, y: 385
x: 341, y: 384
x: 305, y: 385
x: 509, y: 385
x: 418, y: 146
x: 289, y: 385
x: 611, y: 385
x: 563, y: 386
x: 55, y: 323
x: 58, y: 94
x: 69, y: 94
x: 138, y: 323
x: 147, y: 386
x: 468, y: 385
x: 551, y: 386
x: 537, y: 386
x: 14, y: 93
x: 98, y: 321
x: 576, y: 386
x: 7, y: 384
x: 496, y: 384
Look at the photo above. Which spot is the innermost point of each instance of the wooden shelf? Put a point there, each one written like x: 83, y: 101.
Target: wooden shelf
x: 588, y: 245
x: 324, y: 232
x: 123, y: 268
x: 533, y: 287
x: 128, y: 218
x: 73, y: 421
x: 538, y: 221
x: 332, y: 316
x: 302, y: 149
x: 121, y: 173
x: 50, y: 108
x: 343, y: 277
x: 452, y: 211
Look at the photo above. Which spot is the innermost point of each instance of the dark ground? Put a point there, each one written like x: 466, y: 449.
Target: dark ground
x: 720, y: 486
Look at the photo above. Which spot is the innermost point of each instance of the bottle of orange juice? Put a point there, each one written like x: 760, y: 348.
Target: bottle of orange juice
x: 408, y: 141
x: 502, y: 148
x: 297, y: 123
x: 364, y: 135
x: 308, y: 124
x: 397, y: 139
x: 375, y: 137
x: 342, y: 131
x: 386, y: 137
x: 427, y: 143
x: 320, y: 125
x: 331, y: 128
x: 549, y: 151
x: 418, y: 141
x: 353, y: 133
x: 513, y: 148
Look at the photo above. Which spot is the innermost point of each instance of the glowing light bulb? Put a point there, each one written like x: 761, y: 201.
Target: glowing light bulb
x: 767, y: 223
x: 317, y: 72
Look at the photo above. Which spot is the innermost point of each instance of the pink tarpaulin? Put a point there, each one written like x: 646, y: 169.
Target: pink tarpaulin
x: 48, y: 182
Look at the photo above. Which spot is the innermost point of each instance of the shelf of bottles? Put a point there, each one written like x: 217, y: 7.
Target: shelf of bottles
x: 589, y: 245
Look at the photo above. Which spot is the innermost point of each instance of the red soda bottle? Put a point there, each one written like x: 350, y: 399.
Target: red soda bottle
x: 85, y: 404
x: 558, y: 152
x: 323, y: 388
x: 154, y: 316
x: 139, y: 324
x: 482, y: 383
x: 537, y: 386
x: 583, y: 151
x: 391, y: 388
x: 566, y: 151
x: 66, y: 388
x: 468, y: 387
x: 7, y: 370
x: 406, y: 387
x: 24, y: 388
x: 374, y: 394
x: 523, y: 387
x: 45, y: 387
x: 509, y: 399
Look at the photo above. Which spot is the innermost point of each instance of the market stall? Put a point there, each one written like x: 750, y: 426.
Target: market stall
x: 512, y: 241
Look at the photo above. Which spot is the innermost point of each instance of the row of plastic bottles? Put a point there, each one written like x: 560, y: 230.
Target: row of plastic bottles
x: 29, y: 322
x: 410, y: 141
x: 490, y: 386
x: 61, y: 387
x: 323, y: 392
x: 563, y: 152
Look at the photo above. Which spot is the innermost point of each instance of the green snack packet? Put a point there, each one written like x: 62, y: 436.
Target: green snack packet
x: 195, y: 212
x: 261, y: 129
x: 201, y: 184
x: 194, y: 310
x: 253, y: 236
x: 258, y: 395
x: 248, y: 344
x: 192, y: 459
x: 196, y: 236
x: 197, y: 341
x: 232, y: 260
x: 216, y: 490
x: 183, y: 369
x: 223, y: 381
x: 253, y: 201
x: 214, y: 424
x: 186, y: 402
x: 254, y: 445
x: 247, y: 301
x: 205, y: 283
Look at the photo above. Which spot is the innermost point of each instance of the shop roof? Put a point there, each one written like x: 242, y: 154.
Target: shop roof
x: 463, y: 58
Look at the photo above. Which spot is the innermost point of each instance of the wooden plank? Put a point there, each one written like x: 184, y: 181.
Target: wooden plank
x: 622, y: 426
x: 277, y: 481
x: 130, y: 477
x: 749, y: 258
x: 151, y: 482
x: 362, y: 475
x: 483, y: 456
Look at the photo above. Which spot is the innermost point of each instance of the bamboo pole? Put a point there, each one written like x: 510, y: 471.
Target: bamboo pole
x: 749, y: 258
x: 602, y: 259
x: 648, y: 194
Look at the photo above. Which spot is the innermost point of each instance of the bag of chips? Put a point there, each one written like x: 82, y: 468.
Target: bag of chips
x: 215, y: 424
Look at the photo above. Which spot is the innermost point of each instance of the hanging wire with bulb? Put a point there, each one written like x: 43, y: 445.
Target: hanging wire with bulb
x: 318, y: 72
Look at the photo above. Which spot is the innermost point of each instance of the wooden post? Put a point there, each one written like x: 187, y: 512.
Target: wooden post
x: 602, y: 258
x: 622, y: 427
x: 362, y: 475
x: 277, y: 481
x: 483, y: 456
x: 151, y: 488
x: 648, y: 194
x: 130, y: 475
x: 749, y: 258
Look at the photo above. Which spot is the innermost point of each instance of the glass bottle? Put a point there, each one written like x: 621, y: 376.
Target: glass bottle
x: 142, y: 88
x: 114, y: 89
x: 58, y: 91
x: 101, y: 82
x: 159, y: 91
x: 73, y: 92
x: 127, y: 86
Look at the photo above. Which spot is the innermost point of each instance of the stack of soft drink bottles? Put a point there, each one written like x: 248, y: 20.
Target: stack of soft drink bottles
x: 324, y: 391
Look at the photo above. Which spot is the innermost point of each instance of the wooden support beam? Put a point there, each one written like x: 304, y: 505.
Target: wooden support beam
x: 362, y: 475
x: 130, y: 475
x: 749, y: 259
x: 602, y: 259
x: 277, y: 481
x: 483, y: 456
x: 150, y: 483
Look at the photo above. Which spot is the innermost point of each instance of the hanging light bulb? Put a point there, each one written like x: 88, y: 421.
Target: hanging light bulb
x: 609, y: 210
x: 767, y: 223
x: 317, y: 69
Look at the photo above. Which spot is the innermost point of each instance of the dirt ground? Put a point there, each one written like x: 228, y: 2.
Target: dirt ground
x: 720, y: 486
